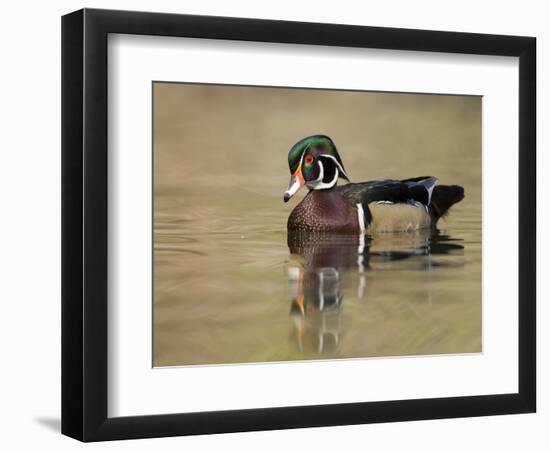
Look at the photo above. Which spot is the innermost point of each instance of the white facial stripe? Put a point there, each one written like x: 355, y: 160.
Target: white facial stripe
x: 302, y: 159
x: 321, y: 172
x: 337, y: 164
x: 318, y: 184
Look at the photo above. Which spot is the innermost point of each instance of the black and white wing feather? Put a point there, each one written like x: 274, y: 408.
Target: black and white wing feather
x: 418, y: 189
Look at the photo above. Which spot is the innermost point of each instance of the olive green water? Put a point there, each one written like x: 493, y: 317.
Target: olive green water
x: 231, y: 286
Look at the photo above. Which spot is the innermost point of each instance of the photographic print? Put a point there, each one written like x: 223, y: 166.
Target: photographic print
x: 295, y: 224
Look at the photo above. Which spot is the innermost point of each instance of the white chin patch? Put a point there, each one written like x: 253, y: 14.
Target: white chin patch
x: 318, y: 184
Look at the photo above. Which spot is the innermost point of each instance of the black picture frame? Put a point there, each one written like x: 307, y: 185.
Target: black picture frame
x: 84, y: 224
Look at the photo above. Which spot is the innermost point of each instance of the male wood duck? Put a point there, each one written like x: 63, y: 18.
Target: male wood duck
x: 371, y: 206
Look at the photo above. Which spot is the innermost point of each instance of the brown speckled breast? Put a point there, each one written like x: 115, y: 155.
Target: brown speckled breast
x: 324, y: 211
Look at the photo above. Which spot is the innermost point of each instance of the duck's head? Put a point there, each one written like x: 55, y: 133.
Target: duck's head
x: 314, y: 162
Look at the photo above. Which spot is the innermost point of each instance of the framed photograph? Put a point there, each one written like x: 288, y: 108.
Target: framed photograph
x: 273, y: 224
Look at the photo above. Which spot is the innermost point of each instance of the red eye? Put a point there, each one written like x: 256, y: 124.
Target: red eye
x: 309, y: 159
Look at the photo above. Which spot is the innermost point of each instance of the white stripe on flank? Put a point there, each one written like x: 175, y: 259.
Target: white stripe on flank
x: 361, y: 247
x: 361, y: 217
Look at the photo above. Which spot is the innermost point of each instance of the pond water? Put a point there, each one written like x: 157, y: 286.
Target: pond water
x: 240, y: 292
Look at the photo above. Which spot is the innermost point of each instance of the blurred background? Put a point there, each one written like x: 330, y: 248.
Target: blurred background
x: 229, y: 287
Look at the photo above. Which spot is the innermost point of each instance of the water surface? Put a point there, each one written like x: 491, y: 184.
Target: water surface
x: 250, y: 293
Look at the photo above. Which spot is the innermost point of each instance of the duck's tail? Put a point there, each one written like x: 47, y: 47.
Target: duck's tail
x: 443, y: 197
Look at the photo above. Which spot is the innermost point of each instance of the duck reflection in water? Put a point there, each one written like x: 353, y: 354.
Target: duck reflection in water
x: 321, y: 261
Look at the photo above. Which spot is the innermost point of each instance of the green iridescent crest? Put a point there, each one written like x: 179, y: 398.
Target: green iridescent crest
x: 318, y: 144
